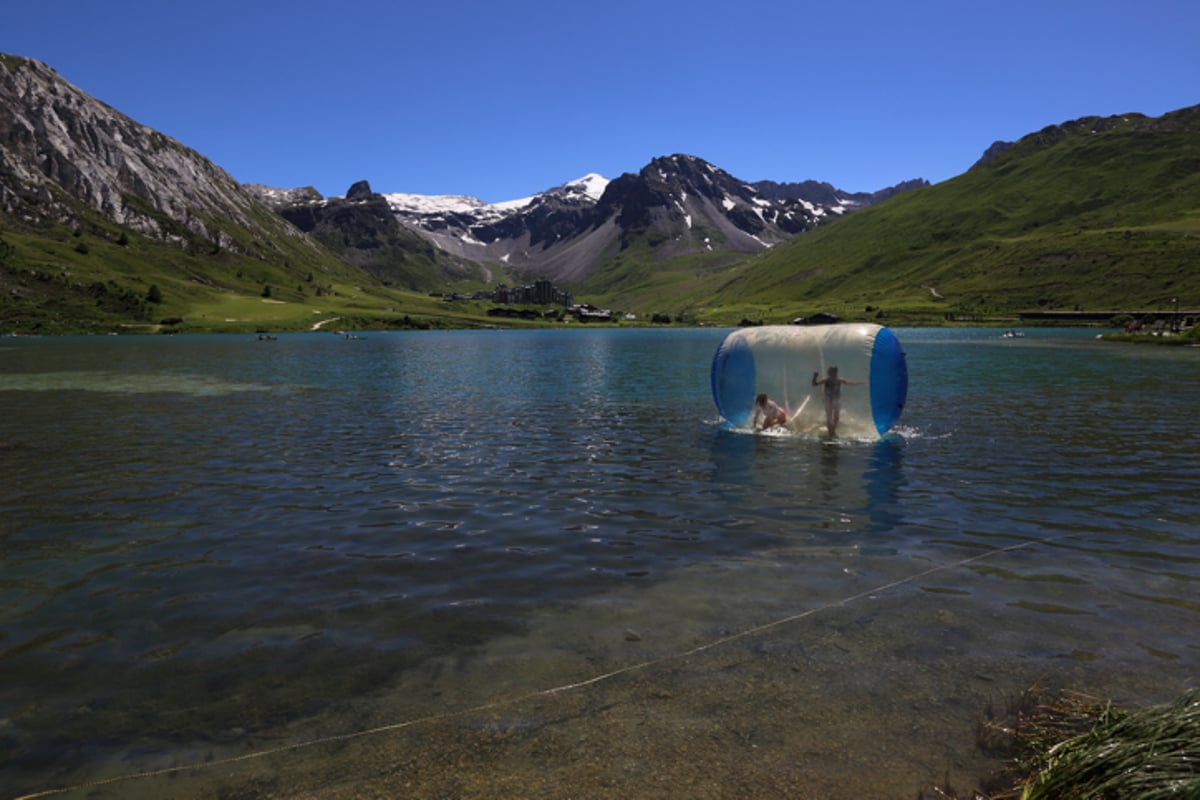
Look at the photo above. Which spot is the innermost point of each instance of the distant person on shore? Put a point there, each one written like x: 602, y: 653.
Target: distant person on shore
x: 833, y: 396
x: 768, y: 413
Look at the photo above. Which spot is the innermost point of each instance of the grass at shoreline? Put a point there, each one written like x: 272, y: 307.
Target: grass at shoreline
x: 1068, y: 746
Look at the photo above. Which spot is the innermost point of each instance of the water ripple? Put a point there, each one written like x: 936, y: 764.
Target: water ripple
x: 276, y: 534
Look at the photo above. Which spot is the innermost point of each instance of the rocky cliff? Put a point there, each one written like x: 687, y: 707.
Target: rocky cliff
x: 59, y: 146
x: 362, y: 229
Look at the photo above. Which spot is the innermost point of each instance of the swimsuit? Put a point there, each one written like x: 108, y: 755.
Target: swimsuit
x: 773, y: 414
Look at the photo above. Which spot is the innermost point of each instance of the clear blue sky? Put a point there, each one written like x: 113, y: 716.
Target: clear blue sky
x: 502, y: 99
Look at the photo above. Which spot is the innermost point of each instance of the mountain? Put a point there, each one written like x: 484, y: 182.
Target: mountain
x: 1093, y: 214
x: 361, y: 228
x: 530, y: 235
x: 106, y: 224
x: 680, y: 204
x: 63, y: 150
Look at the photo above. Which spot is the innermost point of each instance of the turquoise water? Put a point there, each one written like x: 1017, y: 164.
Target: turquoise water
x: 213, y: 547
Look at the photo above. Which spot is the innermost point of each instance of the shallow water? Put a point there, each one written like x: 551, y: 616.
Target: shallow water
x: 214, y: 547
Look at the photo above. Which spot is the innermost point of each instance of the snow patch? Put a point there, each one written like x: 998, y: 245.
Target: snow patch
x: 513, y: 205
x: 687, y: 218
x: 434, y: 203
x: 592, y: 185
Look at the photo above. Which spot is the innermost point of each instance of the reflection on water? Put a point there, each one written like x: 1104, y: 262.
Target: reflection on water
x: 214, y: 546
x: 120, y: 383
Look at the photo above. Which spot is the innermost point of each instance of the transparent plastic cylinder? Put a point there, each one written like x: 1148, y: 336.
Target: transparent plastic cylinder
x: 782, y: 362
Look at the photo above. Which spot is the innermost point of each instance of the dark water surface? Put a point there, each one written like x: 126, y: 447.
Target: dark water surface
x: 381, y: 565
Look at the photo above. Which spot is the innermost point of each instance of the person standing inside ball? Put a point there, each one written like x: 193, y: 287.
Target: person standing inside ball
x: 833, y: 395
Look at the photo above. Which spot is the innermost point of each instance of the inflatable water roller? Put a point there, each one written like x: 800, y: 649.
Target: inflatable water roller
x: 791, y: 365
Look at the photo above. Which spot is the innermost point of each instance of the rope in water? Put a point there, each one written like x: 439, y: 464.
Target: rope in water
x: 568, y: 687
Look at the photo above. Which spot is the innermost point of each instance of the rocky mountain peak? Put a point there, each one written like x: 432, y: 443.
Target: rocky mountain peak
x: 701, y: 207
x: 681, y: 202
x: 360, y: 191
x: 59, y: 140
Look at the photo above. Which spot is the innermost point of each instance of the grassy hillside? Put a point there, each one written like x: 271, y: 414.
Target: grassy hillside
x: 99, y: 277
x: 641, y: 282
x: 1095, y: 214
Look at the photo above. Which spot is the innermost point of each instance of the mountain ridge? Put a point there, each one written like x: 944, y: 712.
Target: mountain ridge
x: 568, y: 232
x: 106, y: 223
x: 1098, y: 213
x: 67, y: 151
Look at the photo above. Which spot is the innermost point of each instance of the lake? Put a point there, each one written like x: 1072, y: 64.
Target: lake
x: 535, y: 563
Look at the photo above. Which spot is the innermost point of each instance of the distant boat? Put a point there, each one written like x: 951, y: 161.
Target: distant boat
x: 1012, y: 335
